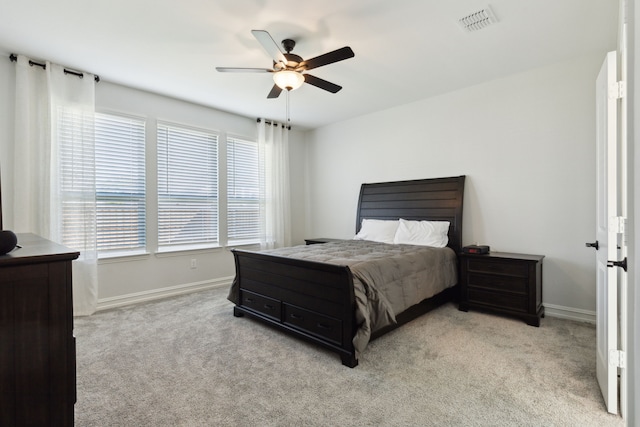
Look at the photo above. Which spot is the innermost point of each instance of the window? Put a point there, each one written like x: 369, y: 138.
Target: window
x: 120, y: 183
x: 187, y: 187
x: 244, y: 191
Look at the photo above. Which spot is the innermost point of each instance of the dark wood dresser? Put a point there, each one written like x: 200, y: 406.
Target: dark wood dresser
x: 503, y: 282
x: 37, y: 346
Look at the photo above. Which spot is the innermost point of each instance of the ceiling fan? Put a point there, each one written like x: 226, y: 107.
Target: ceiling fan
x: 288, y: 67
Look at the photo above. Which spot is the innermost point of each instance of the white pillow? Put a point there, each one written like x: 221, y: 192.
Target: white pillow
x: 377, y: 230
x: 423, y: 233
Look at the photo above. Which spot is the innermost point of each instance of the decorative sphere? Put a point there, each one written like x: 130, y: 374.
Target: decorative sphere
x: 8, y: 241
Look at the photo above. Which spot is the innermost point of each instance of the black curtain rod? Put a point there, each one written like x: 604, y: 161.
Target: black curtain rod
x: 14, y: 58
x: 271, y: 123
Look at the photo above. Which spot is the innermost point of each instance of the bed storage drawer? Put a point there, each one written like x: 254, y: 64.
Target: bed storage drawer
x: 264, y: 305
x: 314, y: 323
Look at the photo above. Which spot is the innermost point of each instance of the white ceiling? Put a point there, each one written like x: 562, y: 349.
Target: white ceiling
x: 405, y: 50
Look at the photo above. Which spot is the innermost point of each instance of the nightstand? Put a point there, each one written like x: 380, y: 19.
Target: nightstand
x: 320, y: 240
x: 503, y: 282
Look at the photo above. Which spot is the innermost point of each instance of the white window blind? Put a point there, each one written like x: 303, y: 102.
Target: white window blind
x: 245, y: 190
x: 187, y: 187
x: 120, y: 183
x: 76, y: 197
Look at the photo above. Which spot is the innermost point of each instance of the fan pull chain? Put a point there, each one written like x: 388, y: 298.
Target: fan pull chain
x: 288, y: 109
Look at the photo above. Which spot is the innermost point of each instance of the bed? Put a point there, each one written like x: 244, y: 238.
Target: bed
x: 316, y: 292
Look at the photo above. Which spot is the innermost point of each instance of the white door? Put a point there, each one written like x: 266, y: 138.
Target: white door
x: 607, y: 231
x: 623, y: 180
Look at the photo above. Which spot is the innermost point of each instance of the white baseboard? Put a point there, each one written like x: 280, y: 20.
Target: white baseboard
x: 154, y: 294
x: 570, y: 313
x: 550, y: 310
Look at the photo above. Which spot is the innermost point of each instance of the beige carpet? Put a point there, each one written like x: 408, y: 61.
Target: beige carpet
x: 187, y: 361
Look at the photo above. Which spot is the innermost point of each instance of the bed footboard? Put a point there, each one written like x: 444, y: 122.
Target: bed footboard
x: 310, y: 300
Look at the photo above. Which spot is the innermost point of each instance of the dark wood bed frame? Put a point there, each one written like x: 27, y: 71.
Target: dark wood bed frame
x: 315, y: 301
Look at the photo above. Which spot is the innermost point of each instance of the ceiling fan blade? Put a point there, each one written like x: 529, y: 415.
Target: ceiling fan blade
x: 322, y: 84
x: 327, y: 58
x: 275, y: 92
x: 243, y: 70
x: 269, y: 45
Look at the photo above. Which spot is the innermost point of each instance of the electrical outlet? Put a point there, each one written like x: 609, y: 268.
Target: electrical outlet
x: 194, y: 263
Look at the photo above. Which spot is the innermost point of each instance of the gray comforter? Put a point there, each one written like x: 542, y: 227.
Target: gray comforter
x: 388, y: 279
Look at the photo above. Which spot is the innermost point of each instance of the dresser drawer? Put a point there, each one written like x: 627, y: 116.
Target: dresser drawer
x: 498, y: 267
x: 268, y: 306
x: 321, y: 326
x: 498, y: 300
x: 497, y: 282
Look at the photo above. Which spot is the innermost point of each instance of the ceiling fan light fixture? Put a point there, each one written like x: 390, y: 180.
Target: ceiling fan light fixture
x: 287, y: 79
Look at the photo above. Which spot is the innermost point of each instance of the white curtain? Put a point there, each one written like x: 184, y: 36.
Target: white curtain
x: 54, y: 179
x: 273, y: 142
x: 32, y: 151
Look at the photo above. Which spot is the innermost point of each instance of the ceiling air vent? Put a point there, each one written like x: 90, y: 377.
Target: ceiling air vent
x: 478, y: 20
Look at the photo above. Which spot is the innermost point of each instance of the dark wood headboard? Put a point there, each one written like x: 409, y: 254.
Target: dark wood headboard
x: 437, y: 199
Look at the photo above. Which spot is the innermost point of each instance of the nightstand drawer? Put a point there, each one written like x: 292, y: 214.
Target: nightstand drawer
x: 314, y: 323
x: 497, y: 283
x: 498, y: 300
x: 265, y: 305
x: 497, y: 267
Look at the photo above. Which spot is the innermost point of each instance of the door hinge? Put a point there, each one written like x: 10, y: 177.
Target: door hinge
x: 617, y: 359
x: 617, y: 224
x: 617, y: 90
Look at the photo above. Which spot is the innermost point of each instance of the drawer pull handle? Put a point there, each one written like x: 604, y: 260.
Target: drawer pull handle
x: 296, y: 316
x: 249, y: 299
x: 323, y: 326
x: 269, y: 307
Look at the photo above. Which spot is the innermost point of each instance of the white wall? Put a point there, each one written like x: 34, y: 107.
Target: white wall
x: 527, y: 146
